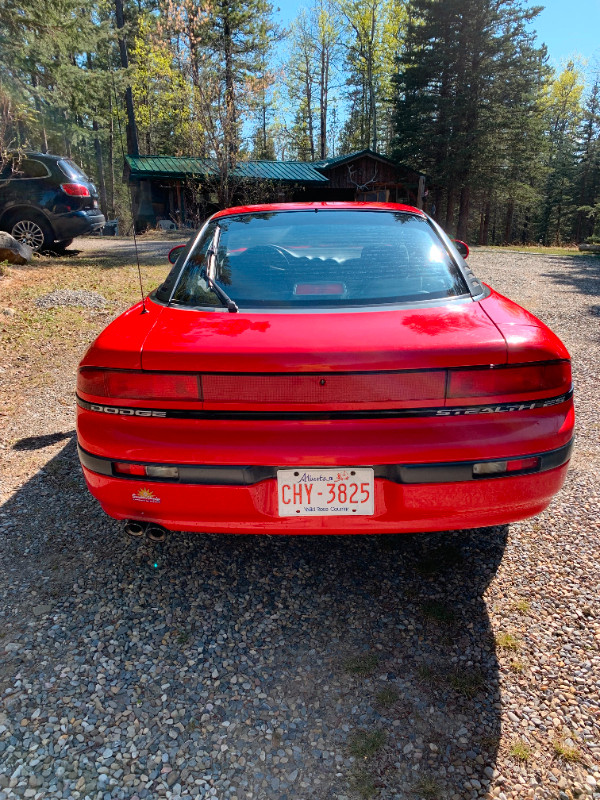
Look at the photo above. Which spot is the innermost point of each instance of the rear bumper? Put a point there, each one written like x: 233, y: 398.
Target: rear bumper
x: 408, y: 499
x: 76, y: 223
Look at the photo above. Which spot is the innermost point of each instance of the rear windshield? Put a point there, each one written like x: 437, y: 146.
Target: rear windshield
x: 71, y: 170
x: 307, y: 259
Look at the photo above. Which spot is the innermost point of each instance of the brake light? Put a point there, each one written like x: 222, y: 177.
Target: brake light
x: 138, y: 385
x: 319, y: 288
x: 75, y: 189
x: 522, y: 379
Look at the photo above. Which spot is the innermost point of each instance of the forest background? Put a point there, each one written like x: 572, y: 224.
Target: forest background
x: 458, y: 89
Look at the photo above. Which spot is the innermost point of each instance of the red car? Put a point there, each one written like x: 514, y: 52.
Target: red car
x: 323, y: 368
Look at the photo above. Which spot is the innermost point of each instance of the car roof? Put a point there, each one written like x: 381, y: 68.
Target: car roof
x: 343, y: 206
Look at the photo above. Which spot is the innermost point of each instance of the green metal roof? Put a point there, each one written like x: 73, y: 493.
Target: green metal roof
x: 326, y: 163
x: 179, y: 166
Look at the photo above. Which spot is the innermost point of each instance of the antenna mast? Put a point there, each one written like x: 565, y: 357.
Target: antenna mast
x: 137, y: 254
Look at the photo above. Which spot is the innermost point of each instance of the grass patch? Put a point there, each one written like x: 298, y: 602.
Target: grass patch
x: 427, y: 674
x: 520, y: 750
x: 387, y: 697
x: 4, y: 269
x: 516, y: 666
x: 522, y: 606
x: 566, y: 752
x: 466, y: 682
x: 507, y: 641
x: 438, y: 612
x: 364, y: 744
x: 183, y: 637
x: 363, y: 784
x: 428, y: 788
x: 547, y: 251
x: 362, y: 665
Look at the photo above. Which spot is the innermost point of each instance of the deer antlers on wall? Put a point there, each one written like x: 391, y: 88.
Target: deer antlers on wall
x: 360, y: 186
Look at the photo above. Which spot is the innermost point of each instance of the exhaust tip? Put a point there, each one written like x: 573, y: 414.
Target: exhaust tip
x: 134, y: 529
x: 156, y: 533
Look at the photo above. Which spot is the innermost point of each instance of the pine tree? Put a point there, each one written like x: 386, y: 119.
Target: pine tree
x: 463, y: 61
x: 563, y: 114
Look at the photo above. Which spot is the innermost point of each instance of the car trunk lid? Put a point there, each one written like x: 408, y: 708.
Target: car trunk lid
x: 342, y: 360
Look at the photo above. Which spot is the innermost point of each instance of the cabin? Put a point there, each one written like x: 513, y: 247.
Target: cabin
x: 178, y: 191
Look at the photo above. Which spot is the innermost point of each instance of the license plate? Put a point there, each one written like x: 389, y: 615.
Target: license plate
x: 325, y: 492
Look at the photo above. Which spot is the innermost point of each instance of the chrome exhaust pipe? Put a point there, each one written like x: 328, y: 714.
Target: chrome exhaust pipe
x: 156, y: 533
x: 134, y: 529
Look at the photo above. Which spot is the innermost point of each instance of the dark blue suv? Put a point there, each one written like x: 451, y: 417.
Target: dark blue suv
x: 46, y: 200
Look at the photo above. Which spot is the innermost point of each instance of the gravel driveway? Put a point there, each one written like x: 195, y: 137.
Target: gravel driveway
x: 456, y: 666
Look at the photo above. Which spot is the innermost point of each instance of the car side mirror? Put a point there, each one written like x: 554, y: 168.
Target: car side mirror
x: 174, y: 253
x: 462, y: 247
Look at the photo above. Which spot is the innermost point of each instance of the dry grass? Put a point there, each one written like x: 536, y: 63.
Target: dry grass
x: 364, y: 744
x: 522, y: 606
x: 507, y: 641
x: 362, y: 665
x: 36, y: 344
x: 428, y: 788
x: 566, y: 752
x: 520, y: 751
x: 387, y: 697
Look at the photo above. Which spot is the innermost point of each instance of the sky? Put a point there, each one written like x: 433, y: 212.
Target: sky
x: 567, y: 27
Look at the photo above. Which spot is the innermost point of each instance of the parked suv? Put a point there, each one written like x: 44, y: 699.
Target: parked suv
x: 47, y: 200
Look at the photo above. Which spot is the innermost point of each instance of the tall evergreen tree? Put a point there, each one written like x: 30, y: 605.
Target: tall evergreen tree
x: 456, y: 73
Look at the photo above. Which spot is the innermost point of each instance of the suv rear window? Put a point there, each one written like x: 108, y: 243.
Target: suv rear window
x: 308, y: 259
x: 71, y: 170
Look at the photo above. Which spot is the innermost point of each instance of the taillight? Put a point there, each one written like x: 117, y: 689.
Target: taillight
x: 485, y: 469
x: 137, y: 385
x: 145, y: 470
x: 509, y: 381
x: 75, y: 189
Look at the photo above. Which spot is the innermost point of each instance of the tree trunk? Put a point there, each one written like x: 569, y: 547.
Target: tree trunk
x: 100, y: 168
x: 437, y: 204
x: 508, y: 222
x: 372, y: 99
x: 133, y: 147
x: 231, y: 143
x: 111, y: 156
x: 463, y: 213
x: 323, y: 101
x: 308, y: 92
x: 486, y: 224
x: 450, y: 201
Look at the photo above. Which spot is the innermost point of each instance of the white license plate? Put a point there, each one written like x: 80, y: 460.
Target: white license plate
x: 338, y: 492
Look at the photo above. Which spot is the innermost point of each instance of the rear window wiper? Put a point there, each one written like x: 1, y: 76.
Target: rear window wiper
x: 211, y: 262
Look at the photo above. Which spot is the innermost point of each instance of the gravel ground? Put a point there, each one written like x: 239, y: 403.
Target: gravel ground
x: 456, y: 666
x: 71, y: 297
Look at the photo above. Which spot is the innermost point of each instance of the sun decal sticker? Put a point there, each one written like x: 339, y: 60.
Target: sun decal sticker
x: 145, y: 496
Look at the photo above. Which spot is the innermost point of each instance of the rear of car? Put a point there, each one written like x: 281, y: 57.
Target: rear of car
x: 324, y: 370
x: 47, y: 200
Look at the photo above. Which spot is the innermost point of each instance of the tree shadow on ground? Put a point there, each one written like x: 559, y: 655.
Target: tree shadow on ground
x: 581, y: 273
x: 314, y: 667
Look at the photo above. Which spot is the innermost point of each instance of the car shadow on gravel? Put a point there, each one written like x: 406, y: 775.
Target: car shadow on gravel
x: 271, y: 667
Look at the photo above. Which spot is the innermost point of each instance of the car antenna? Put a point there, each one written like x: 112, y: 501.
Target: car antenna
x: 135, y: 244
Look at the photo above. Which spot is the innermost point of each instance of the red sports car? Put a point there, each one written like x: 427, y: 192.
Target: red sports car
x: 323, y: 368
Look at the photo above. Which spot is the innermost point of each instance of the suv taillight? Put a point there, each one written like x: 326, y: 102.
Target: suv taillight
x: 136, y: 385
x: 75, y: 189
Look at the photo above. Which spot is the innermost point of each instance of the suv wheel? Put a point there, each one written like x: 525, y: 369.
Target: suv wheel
x: 33, y: 232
